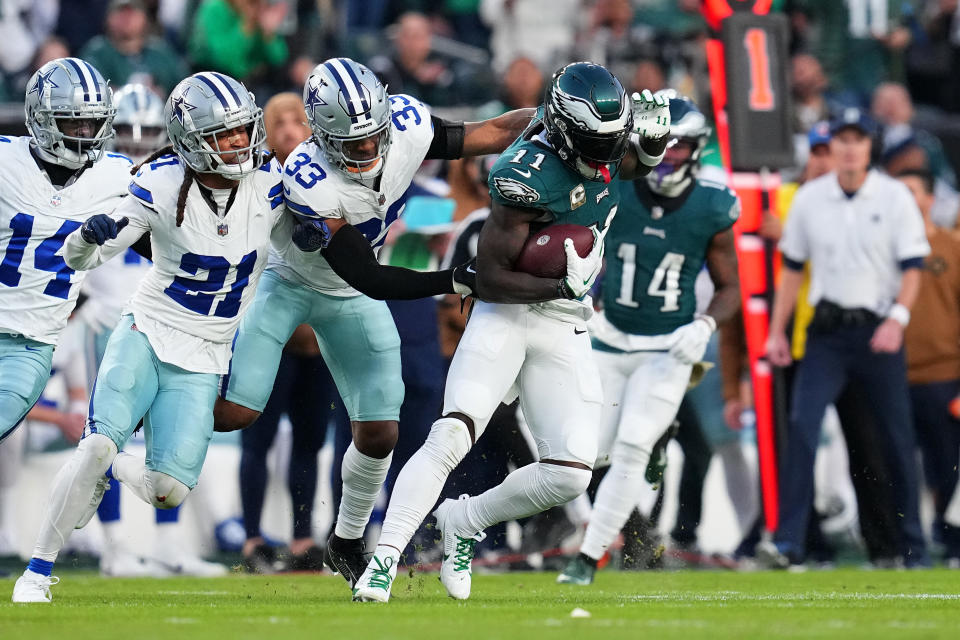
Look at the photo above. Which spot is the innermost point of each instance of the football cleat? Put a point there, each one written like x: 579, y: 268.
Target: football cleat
x: 374, y: 585
x: 346, y: 558
x: 191, y: 565
x: 101, y: 488
x: 770, y: 557
x: 33, y: 587
x: 456, y: 573
x: 578, y: 571
x: 120, y: 563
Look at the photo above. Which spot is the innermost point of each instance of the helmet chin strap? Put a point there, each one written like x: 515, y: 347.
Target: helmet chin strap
x: 69, y: 163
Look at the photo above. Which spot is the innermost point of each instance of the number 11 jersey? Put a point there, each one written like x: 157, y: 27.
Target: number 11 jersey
x: 37, y: 289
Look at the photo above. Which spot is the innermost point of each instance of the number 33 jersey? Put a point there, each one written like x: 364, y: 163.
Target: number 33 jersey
x: 205, y: 271
x: 37, y: 289
x: 314, y: 189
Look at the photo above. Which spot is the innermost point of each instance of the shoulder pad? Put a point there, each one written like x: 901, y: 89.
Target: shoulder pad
x: 724, y: 204
x: 528, y: 179
x: 157, y: 181
x: 310, y: 188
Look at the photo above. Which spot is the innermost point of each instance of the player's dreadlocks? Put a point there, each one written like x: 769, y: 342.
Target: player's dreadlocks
x: 189, y: 175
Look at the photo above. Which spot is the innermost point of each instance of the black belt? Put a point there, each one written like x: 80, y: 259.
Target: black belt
x: 828, y: 316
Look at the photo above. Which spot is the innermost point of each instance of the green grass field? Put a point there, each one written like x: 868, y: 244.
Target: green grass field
x: 843, y: 604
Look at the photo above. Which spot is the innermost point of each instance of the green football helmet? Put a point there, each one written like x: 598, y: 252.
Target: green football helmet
x: 588, y: 118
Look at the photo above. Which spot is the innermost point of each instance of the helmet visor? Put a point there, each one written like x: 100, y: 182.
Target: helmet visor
x: 82, y: 134
x: 602, y: 148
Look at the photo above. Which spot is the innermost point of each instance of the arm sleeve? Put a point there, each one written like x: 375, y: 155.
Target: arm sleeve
x: 81, y: 255
x: 351, y: 257
x: 447, y: 141
x: 910, y: 235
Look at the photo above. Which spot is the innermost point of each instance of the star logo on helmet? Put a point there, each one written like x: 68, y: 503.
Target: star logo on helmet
x: 42, y: 80
x: 314, y: 100
x: 181, y: 106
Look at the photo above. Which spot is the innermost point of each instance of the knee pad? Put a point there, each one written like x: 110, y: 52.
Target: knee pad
x: 98, y: 451
x: 448, y: 442
x: 563, y: 482
x: 166, y: 492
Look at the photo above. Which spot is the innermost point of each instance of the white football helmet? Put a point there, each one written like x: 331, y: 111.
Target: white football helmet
x: 346, y: 104
x: 69, y: 89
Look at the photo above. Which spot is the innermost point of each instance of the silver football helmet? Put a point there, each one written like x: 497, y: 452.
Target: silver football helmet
x: 139, y: 123
x: 348, y: 110
x: 210, y: 103
x: 69, y: 109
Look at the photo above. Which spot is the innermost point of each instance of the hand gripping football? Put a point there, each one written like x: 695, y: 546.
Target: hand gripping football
x: 543, y: 254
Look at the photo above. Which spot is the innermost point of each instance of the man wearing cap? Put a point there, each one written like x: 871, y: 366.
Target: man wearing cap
x: 865, y: 241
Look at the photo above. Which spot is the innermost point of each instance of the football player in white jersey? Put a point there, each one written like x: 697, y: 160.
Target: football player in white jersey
x: 50, y: 182
x: 348, y: 184
x: 210, y: 208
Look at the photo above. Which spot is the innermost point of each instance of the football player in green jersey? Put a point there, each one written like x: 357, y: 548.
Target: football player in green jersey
x: 648, y: 336
x: 560, y: 170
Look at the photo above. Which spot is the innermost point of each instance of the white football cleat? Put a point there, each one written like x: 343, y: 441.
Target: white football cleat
x: 455, y: 570
x: 33, y: 587
x: 374, y: 585
x: 191, y: 565
x: 101, y: 488
x: 120, y: 563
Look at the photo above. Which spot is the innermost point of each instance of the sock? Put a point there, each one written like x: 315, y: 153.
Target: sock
x: 72, y: 491
x: 590, y: 561
x: 528, y: 490
x: 43, y: 567
x: 616, y: 497
x: 131, y: 471
x: 363, y: 478
x: 168, y: 516
x: 421, y: 480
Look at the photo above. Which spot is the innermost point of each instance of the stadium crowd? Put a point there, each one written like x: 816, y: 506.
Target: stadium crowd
x: 883, y: 71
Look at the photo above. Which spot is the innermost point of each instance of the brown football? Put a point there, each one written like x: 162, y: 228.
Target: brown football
x: 543, y: 254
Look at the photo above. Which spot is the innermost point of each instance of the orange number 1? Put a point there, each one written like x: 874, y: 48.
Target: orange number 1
x: 761, y: 93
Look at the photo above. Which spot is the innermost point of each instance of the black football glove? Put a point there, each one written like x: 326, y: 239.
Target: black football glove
x: 465, y: 278
x: 101, y: 227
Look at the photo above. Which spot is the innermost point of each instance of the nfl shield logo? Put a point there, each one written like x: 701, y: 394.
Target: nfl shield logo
x: 222, y: 229
x: 382, y: 199
x: 55, y: 200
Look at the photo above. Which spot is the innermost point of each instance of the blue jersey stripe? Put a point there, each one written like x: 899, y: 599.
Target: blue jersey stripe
x: 93, y: 76
x: 83, y: 79
x: 302, y: 209
x: 140, y: 192
x: 275, y: 190
x: 226, y: 83
x: 343, y: 89
x: 216, y: 90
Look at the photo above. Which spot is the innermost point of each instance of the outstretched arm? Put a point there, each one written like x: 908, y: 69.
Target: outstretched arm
x: 496, y: 134
x: 651, y: 132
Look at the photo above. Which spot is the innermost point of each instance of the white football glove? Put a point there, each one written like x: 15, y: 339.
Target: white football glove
x: 582, y: 272
x: 651, y: 114
x: 689, y: 342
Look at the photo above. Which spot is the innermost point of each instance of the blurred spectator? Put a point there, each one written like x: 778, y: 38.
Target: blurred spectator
x: 893, y: 109
x: 933, y: 78
x: 238, y: 37
x: 612, y: 39
x: 127, y: 52
x: 808, y: 85
x: 51, y: 49
x: 24, y: 24
x: 286, y: 124
x: 80, y: 20
x: 465, y: 19
x: 411, y: 68
x: 522, y: 86
x: 932, y: 342
x: 648, y: 74
x: 542, y: 30
x: 864, y: 239
x: 860, y: 43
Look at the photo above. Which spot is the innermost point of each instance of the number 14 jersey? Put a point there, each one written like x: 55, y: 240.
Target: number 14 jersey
x: 37, y: 289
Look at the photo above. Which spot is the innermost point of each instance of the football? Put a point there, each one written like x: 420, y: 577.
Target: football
x: 543, y: 254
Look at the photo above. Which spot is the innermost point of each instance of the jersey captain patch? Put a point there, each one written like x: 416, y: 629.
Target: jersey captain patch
x: 515, y: 190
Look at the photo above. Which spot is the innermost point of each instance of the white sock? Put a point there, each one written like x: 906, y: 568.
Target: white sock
x: 741, y: 484
x: 131, y: 470
x: 421, y: 480
x: 111, y: 535
x: 363, y: 478
x: 528, y: 490
x: 73, y: 488
x: 616, y: 498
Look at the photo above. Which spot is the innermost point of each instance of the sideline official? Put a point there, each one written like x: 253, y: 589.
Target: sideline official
x: 865, y: 241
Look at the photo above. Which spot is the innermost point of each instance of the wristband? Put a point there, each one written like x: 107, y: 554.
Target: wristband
x: 710, y: 320
x: 899, y: 313
x: 563, y: 290
x: 645, y: 158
